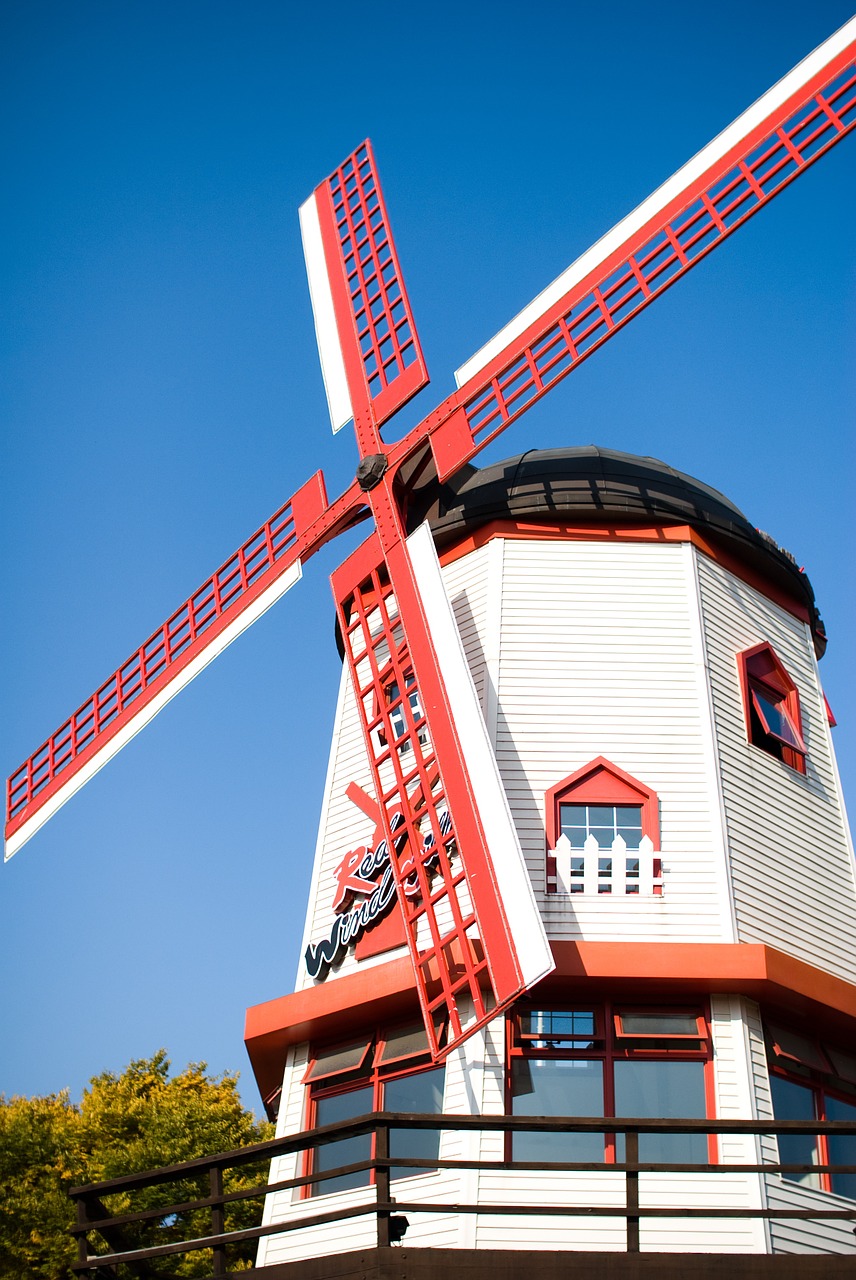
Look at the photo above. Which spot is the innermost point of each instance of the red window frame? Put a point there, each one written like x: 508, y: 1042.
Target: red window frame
x: 379, y: 1072
x: 608, y: 1048
x: 763, y: 673
x: 599, y: 782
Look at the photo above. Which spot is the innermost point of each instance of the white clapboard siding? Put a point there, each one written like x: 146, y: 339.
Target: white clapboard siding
x: 734, y: 1085
x: 467, y: 585
x: 807, y: 1235
x: 607, y: 1190
x: 789, y: 853
x: 599, y: 656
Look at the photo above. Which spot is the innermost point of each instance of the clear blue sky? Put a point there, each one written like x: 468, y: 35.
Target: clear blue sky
x: 160, y: 397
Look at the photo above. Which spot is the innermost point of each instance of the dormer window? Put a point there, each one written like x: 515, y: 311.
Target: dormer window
x: 772, y: 706
x: 602, y: 834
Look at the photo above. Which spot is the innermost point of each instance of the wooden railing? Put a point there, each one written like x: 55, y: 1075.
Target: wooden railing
x: 198, y: 1202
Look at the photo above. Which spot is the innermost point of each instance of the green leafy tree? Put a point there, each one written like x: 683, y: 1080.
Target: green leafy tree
x: 140, y: 1119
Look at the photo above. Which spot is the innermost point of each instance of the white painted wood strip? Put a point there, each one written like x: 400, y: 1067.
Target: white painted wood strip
x: 143, y: 717
x: 326, y: 329
x: 643, y: 213
x: 532, y: 949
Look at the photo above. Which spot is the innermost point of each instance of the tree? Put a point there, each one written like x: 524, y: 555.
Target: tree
x: 140, y: 1119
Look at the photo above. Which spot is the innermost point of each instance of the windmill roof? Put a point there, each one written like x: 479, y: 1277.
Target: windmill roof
x: 590, y: 485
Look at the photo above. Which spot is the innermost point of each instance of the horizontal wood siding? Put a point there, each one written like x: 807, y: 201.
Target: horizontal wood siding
x: 600, y: 656
x: 791, y: 866
x: 467, y: 584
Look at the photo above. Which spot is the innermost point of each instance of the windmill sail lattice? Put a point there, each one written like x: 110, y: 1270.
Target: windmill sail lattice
x: 473, y: 928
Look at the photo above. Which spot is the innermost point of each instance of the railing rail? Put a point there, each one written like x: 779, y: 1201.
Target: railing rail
x: 116, y: 1248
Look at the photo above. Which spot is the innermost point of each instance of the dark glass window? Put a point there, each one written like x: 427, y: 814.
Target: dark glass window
x: 609, y: 1062
x: 333, y: 1110
x: 557, y: 1087
x: 842, y: 1147
x: 417, y: 1094
x: 792, y: 1101
x: 811, y: 1080
x: 390, y: 1072
x: 663, y: 1090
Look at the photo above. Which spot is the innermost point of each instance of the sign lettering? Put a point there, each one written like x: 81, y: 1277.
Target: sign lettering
x: 365, y: 871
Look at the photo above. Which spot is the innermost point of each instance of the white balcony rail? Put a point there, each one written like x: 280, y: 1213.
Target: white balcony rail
x: 613, y: 870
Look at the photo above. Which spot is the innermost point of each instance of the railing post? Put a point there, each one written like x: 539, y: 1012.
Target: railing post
x: 382, y: 1184
x: 218, y: 1219
x: 631, y: 1176
x: 82, y: 1216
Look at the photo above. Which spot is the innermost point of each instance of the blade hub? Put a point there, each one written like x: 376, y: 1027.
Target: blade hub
x: 372, y: 470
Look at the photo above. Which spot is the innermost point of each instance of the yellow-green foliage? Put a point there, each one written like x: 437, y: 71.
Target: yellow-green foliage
x: 124, y: 1123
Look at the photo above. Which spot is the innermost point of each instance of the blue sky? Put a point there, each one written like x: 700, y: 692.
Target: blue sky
x: 160, y: 397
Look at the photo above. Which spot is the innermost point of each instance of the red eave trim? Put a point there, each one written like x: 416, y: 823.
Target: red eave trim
x: 378, y: 992
x: 623, y: 533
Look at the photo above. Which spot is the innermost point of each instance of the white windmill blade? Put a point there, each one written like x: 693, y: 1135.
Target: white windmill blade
x: 370, y: 353
x: 689, y: 184
x: 230, y: 600
x: 514, y: 884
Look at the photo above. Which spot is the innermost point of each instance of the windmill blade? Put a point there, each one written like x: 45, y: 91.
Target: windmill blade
x: 255, y: 577
x: 473, y: 927
x: 755, y: 158
x: 370, y: 353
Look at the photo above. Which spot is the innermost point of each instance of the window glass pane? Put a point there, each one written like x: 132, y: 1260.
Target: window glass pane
x: 843, y: 1064
x: 343, y: 1106
x: 603, y: 821
x: 333, y: 1062
x: 419, y: 1094
x: 787, y: 1044
x: 665, y: 1090
x: 562, y: 1087
x: 658, y: 1024
x: 795, y: 1102
x: 404, y: 1042
x: 554, y: 1026
x: 842, y: 1148
x: 775, y: 718
x: 572, y: 819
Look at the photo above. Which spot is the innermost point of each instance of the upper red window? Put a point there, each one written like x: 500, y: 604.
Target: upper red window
x: 600, y: 810
x: 771, y: 705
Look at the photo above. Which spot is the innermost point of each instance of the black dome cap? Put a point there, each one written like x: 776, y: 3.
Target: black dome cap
x: 591, y: 485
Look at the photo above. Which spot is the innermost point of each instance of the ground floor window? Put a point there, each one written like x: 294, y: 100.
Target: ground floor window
x: 813, y: 1080
x: 610, y: 1060
x: 390, y: 1070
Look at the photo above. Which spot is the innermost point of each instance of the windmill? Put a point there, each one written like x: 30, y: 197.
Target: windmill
x: 729, y: 181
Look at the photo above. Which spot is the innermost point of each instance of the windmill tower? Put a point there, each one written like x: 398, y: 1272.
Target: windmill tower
x: 580, y: 734
x: 646, y: 664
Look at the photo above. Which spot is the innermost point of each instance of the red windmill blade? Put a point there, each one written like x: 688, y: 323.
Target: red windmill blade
x: 474, y: 929
x: 367, y: 340
x: 463, y: 933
